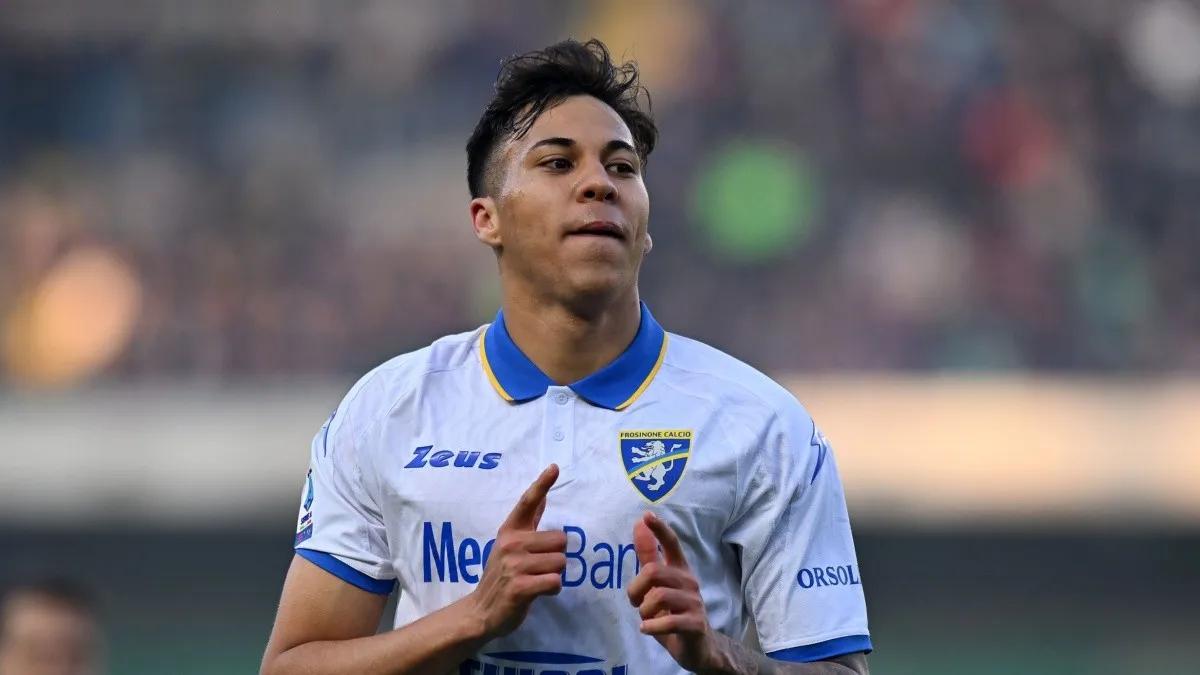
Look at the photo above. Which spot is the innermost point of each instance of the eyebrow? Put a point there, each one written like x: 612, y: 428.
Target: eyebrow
x: 615, y: 144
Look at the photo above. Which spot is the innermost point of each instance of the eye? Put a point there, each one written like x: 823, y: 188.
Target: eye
x: 557, y: 163
x: 623, y: 167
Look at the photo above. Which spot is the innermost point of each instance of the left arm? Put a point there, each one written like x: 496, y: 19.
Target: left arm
x: 668, y: 597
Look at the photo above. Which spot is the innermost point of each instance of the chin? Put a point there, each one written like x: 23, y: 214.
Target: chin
x: 589, y: 288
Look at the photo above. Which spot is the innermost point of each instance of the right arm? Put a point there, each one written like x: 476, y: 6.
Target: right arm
x: 326, y: 626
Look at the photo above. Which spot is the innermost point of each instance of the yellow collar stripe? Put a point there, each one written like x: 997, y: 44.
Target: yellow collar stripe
x: 487, y: 367
x: 662, y: 353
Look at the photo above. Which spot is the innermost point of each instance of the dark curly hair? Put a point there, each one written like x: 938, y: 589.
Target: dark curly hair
x: 531, y: 83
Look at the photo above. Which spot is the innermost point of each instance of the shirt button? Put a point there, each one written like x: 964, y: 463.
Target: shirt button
x: 559, y: 435
x: 560, y: 398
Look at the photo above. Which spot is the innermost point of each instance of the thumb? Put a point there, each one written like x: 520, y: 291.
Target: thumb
x: 644, y: 543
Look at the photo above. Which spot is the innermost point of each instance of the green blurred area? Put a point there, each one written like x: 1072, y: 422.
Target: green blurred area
x: 1060, y: 603
x: 755, y: 201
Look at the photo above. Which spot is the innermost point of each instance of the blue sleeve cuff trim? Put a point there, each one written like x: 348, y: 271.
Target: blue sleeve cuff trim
x: 824, y: 650
x: 347, y: 573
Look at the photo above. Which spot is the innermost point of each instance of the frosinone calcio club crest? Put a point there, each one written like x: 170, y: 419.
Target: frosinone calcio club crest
x: 655, y: 459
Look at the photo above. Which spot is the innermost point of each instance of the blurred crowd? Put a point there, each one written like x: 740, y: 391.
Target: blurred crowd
x: 234, y: 190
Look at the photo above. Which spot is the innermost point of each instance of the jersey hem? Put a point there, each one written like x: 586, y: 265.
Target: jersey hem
x: 826, y: 649
x: 345, y: 572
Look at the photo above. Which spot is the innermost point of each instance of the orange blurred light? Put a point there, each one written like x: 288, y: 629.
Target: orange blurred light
x: 663, y: 37
x: 75, y: 321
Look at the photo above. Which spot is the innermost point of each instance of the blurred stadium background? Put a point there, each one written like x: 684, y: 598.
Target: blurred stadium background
x: 965, y: 233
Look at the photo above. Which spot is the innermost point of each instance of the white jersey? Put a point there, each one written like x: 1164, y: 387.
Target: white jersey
x: 416, y: 469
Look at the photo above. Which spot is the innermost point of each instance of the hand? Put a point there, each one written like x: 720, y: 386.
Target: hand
x: 524, y: 563
x: 668, y: 596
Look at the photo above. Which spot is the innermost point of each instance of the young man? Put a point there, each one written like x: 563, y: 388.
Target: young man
x: 525, y: 483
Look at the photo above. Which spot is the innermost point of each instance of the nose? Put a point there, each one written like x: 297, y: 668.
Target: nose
x: 596, y: 185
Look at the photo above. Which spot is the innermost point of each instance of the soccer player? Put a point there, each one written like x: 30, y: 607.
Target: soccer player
x: 49, y: 627
x: 569, y: 489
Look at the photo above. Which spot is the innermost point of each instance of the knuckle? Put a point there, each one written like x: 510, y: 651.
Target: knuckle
x: 520, y: 586
x: 655, y: 596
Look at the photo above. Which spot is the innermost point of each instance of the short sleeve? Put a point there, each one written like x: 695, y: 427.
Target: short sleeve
x: 340, y: 527
x: 800, y: 576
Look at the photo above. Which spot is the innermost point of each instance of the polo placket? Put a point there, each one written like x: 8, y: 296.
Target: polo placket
x: 558, y: 427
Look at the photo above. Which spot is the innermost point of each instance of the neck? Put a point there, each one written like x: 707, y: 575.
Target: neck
x: 568, y: 345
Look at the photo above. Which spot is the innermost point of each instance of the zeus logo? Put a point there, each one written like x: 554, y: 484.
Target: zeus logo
x: 841, y: 575
x: 441, y: 458
x: 536, y: 663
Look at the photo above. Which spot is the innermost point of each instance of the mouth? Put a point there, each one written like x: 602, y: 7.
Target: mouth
x: 600, y: 228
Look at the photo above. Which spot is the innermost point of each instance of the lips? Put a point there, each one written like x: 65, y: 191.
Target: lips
x: 601, y: 228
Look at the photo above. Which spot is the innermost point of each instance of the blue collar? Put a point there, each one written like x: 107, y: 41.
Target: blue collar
x: 614, y: 386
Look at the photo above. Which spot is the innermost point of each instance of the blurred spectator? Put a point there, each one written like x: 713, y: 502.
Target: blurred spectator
x: 867, y: 184
x: 50, y: 627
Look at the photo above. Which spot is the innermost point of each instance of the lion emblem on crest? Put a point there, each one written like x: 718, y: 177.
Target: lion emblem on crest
x: 654, y: 475
x: 655, y: 459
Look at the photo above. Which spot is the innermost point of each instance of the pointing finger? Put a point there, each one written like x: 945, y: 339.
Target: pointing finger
x: 672, y: 549
x: 537, y: 515
x: 528, y: 511
x: 644, y: 544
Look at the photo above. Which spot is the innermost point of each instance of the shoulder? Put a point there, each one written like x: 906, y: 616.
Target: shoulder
x: 779, y: 448
x: 737, y: 387
x: 398, y: 379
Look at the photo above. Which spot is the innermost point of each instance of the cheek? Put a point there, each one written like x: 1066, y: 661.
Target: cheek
x: 638, y: 201
x: 529, y: 225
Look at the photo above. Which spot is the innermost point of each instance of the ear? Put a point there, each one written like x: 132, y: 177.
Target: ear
x: 485, y: 222
x: 649, y: 244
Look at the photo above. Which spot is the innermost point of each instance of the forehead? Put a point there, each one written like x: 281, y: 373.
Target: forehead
x: 583, y: 119
x: 31, y: 613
